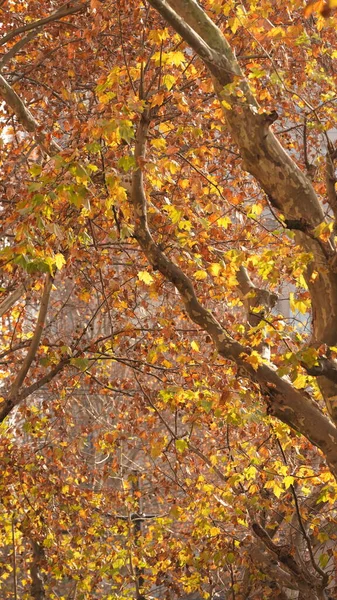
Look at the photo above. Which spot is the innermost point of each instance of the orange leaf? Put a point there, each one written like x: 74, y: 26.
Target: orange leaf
x: 314, y: 6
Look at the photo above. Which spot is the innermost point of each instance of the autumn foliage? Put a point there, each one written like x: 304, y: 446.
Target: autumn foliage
x: 168, y: 299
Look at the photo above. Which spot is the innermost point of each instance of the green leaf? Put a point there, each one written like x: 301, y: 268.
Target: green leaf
x: 181, y: 445
x: 35, y: 170
x: 324, y: 559
x: 80, y: 363
x: 126, y: 131
x: 126, y: 163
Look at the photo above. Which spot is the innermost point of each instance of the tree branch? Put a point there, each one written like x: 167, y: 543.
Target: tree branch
x: 271, y: 568
x: 17, y: 47
x: 35, y: 339
x: 258, y: 302
x: 38, y: 556
x: 63, y: 11
x: 7, y: 304
x: 282, y: 553
x: 24, y: 115
x: 182, y: 27
x: 325, y: 366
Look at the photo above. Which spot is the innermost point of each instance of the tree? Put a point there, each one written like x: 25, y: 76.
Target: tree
x: 168, y: 173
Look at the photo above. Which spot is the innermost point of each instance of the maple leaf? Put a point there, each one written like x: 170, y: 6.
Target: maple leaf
x: 145, y: 277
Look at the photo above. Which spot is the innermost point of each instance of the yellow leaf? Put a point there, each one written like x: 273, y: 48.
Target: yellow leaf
x: 181, y: 445
x: 226, y: 105
x: 301, y: 306
x: 145, y: 277
x: 255, y: 210
x: 288, y: 481
x: 300, y: 381
x: 273, y: 485
x: 176, y: 58
x: 200, y: 275
x: 174, y: 213
x: 195, y: 346
x: 158, y: 35
x: 184, y: 183
x: 85, y: 296
x: 323, y: 230
x: 185, y: 225
x: 277, y: 490
x: 169, y: 81
x: 214, y: 531
x: 276, y: 32
x: 159, y: 143
x: 254, y: 359
x: 215, y: 269
x: 224, y: 222
x: 250, y: 473
x: 234, y: 24
x: 59, y: 260
x: 157, y: 99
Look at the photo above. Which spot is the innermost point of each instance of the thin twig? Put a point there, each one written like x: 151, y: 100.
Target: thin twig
x: 15, y: 583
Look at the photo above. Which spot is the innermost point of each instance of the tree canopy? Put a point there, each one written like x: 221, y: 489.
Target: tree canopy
x: 168, y: 299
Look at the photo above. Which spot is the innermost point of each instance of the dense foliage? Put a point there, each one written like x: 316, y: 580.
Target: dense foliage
x: 168, y: 298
